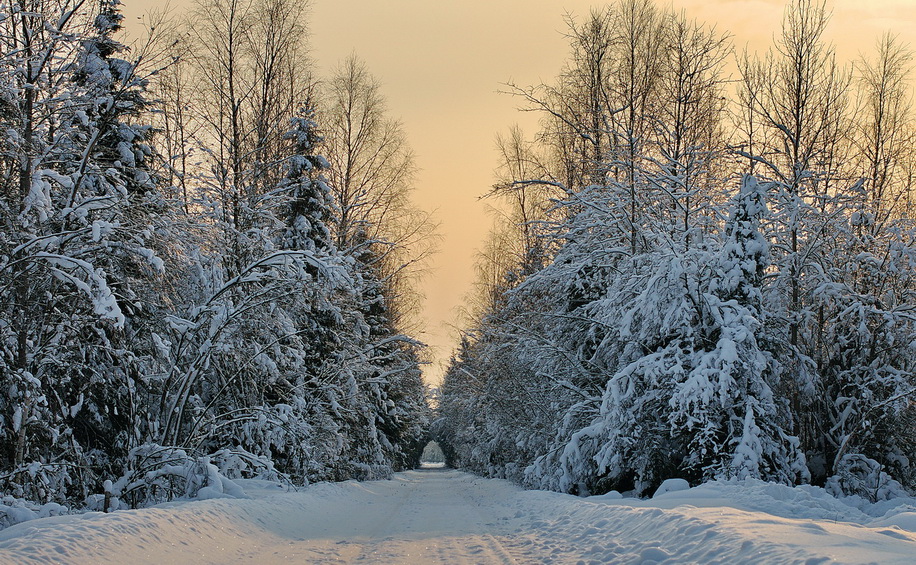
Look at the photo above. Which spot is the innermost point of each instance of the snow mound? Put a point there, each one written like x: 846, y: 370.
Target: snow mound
x: 671, y: 485
x: 801, y: 502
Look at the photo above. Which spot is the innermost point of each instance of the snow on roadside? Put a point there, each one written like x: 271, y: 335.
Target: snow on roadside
x: 801, y: 502
x: 730, y: 522
x: 417, y: 511
x: 847, y: 530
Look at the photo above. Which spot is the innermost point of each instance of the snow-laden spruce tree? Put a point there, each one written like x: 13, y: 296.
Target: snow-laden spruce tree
x: 691, y: 385
x: 390, y: 379
x: 797, y: 119
x: 75, y: 246
x: 727, y: 404
x: 253, y: 364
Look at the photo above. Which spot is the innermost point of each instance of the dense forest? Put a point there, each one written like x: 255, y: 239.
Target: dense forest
x: 706, y: 268
x: 207, y: 258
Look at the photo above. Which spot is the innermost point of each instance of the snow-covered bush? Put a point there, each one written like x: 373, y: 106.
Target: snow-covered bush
x: 860, y: 476
x: 40, y: 483
x: 17, y: 510
x: 157, y: 474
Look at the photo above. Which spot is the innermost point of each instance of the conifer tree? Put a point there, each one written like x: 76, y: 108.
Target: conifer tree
x: 77, y: 248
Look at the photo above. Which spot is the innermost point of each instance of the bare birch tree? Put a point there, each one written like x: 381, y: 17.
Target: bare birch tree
x: 371, y: 175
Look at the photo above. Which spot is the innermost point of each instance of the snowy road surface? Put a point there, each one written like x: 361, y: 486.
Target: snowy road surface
x: 446, y: 516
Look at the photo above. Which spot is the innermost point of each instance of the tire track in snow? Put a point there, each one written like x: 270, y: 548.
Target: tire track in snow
x: 424, y: 509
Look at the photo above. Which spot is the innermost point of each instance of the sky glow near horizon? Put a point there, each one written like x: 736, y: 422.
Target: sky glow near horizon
x: 442, y: 64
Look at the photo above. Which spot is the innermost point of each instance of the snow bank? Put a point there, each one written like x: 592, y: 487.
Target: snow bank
x: 801, y: 502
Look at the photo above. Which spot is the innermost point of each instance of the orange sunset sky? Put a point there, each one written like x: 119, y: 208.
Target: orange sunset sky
x: 442, y: 62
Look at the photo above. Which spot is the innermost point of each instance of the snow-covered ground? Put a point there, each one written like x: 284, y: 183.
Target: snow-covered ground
x: 447, y: 516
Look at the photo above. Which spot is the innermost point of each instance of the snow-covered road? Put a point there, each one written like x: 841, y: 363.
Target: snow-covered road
x: 446, y: 516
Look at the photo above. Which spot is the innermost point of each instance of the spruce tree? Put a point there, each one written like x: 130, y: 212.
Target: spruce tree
x: 75, y: 248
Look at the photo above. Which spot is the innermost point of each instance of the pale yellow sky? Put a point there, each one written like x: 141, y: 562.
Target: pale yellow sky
x: 442, y: 62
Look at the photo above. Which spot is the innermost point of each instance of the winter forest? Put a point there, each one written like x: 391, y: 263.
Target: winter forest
x: 706, y: 269
x: 206, y: 259
x: 210, y: 263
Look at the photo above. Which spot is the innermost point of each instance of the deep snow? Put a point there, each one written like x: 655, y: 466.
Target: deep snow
x: 447, y: 516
